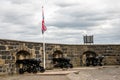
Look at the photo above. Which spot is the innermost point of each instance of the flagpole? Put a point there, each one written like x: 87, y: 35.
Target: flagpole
x: 43, y: 30
x: 44, y: 51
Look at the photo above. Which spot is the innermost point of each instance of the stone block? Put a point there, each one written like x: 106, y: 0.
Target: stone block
x: 2, y: 48
x: 30, y: 46
x: 2, y: 62
x: 37, y: 48
x: 9, y: 57
x: 3, y: 57
x: 4, y: 52
x: 37, y: 52
x: 10, y: 47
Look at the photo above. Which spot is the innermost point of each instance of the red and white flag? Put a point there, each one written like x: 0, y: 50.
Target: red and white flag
x: 43, y: 22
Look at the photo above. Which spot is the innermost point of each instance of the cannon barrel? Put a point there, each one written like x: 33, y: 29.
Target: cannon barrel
x: 30, y: 65
x: 62, y: 63
x: 94, y: 61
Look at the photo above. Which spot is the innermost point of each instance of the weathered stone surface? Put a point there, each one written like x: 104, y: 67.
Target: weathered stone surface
x: 2, y: 48
x: 4, y: 53
x: 2, y: 62
x: 37, y: 52
x: 11, y: 50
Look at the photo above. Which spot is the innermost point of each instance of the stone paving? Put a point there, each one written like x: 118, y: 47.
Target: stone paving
x: 81, y: 73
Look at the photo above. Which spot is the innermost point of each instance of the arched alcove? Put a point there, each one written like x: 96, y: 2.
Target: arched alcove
x: 57, y: 54
x: 86, y: 55
x: 21, y: 55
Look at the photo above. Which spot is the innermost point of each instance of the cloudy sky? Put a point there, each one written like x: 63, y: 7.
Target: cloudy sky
x: 66, y: 20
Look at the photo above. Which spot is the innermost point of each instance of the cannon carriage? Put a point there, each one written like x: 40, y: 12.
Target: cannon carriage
x: 94, y: 61
x: 30, y: 66
x: 62, y: 63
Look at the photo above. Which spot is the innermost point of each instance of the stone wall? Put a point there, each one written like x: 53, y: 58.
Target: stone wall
x: 9, y: 49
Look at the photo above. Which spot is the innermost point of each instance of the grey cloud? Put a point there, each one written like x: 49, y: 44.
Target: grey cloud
x: 107, y: 38
x: 17, y: 1
x: 74, y: 24
x: 12, y: 18
x: 15, y: 13
x: 81, y: 17
x: 20, y: 18
x: 67, y: 4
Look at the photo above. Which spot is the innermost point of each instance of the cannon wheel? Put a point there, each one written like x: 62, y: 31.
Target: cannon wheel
x: 42, y: 69
x: 35, y: 70
x: 21, y: 71
x: 70, y: 65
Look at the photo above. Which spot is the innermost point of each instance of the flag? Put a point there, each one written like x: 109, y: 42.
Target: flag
x: 43, y: 22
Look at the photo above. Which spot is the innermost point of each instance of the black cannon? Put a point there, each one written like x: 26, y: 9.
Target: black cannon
x: 62, y: 63
x: 30, y: 65
x: 94, y: 61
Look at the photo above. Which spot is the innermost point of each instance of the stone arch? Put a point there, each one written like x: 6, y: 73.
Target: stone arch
x: 57, y: 54
x: 22, y: 54
x: 87, y: 54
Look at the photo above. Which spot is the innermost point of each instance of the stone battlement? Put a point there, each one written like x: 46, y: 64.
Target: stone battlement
x: 11, y: 50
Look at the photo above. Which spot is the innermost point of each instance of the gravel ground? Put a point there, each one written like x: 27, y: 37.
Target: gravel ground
x: 84, y: 73
x: 36, y: 77
x: 104, y: 73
